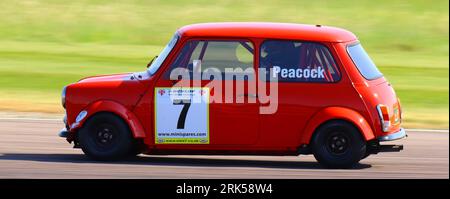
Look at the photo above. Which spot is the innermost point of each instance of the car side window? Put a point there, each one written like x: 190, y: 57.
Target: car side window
x: 294, y: 61
x: 215, y: 57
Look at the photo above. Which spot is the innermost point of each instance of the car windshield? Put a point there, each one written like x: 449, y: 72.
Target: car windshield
x: 365, y: 65
x: 162, y: 56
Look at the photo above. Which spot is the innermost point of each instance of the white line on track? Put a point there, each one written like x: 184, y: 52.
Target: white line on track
x: 430, y: 130
x: 30, y: 119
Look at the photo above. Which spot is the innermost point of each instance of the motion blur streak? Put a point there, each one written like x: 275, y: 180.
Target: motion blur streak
x: 31, y: 149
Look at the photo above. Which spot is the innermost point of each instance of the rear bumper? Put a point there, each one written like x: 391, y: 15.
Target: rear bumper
x: 394, y: 136
x: 374, y: 146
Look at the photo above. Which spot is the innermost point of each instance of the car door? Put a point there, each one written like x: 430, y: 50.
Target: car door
x: 207, y: 95
x: 306, y: 77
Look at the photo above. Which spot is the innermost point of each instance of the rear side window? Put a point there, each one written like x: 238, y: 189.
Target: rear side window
x: 295, y: 61
x: 365, y: 65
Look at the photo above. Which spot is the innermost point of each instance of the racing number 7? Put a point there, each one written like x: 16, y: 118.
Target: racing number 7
x: 182, y: 118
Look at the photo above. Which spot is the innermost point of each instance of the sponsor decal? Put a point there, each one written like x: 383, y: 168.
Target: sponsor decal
x: 307, y: 73
x: 181, y: 115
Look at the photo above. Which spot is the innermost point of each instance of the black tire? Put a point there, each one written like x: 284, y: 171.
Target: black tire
x: 106, y: 136
x: 338, y: 144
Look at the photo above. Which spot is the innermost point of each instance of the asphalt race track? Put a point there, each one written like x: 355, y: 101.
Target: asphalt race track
x: 30, y: 148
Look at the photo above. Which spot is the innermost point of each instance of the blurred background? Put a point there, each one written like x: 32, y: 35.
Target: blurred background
x: 45, y: 45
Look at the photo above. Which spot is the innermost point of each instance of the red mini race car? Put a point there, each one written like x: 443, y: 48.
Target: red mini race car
x: 241, y: 89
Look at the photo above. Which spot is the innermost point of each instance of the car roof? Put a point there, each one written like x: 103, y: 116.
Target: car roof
x: 268, y: 30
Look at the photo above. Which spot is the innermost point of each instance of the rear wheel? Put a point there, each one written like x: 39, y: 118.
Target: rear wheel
x: 106, y: 137
x: 338, y: 144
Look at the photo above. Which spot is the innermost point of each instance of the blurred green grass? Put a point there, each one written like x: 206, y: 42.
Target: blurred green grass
x: 45, y: 45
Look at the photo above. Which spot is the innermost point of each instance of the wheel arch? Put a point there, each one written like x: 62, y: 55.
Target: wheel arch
x: 337, y: 113
x: 112, y: 107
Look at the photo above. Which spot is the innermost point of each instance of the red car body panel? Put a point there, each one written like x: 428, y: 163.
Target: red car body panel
x: 268, y: 30
x: 113, y: 107
x: 299, y: 114
x: 110, y: 93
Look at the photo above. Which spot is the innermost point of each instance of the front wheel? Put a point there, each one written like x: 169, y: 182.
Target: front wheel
x: 106, y: 137
x: 338, y: 144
